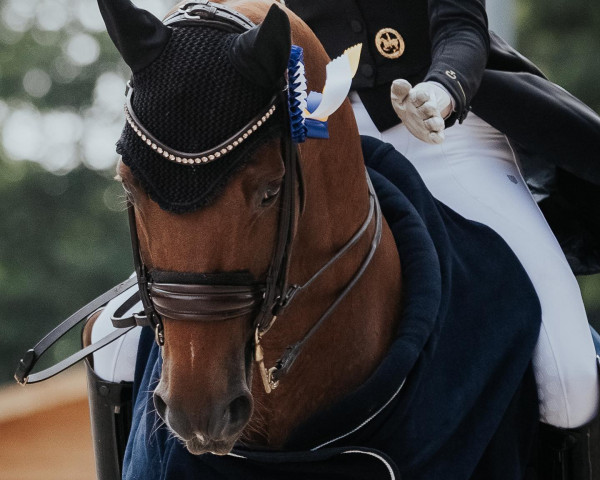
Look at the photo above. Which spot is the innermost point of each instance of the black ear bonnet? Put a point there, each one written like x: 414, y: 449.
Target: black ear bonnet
x: 204, y: 95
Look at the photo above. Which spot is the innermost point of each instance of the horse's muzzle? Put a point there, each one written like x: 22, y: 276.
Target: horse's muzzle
x: 213, y: 428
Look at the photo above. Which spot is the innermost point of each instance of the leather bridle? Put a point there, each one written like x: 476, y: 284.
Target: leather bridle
x: 205, y: 299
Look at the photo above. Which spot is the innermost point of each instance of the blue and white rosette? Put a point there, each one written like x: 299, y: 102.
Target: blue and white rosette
x: 297, y: 93
x: 309, y: 112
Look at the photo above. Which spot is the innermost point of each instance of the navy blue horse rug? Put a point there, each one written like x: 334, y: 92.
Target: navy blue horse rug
x: 455, y: 397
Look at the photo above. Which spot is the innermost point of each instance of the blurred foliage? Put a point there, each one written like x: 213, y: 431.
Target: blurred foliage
x: 61, y: 247
x: 72, y: 85
x: 561, y: 37
x: 64, y: 238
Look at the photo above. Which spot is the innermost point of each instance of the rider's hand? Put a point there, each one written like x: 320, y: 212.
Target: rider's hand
x: 422, y: 108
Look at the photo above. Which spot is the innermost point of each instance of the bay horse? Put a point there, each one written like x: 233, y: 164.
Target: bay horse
x: 399, y: 335
x: 291, y: 265
x: 208, y: 394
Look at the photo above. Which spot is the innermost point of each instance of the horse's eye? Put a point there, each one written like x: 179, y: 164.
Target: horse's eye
x: 270, y: 194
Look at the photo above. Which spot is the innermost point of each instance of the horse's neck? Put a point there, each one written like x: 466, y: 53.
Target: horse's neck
x: 350, y: 344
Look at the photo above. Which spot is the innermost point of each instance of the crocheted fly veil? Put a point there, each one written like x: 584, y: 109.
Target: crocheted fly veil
x: 204, y: 94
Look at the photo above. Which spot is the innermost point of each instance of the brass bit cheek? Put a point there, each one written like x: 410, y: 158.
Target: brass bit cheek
x: 266, y: 375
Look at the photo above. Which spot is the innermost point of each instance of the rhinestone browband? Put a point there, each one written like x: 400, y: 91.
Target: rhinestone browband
x: 195, y: 158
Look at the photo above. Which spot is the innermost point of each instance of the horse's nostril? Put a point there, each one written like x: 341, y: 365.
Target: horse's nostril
x: 160, y: 405
x: 239, y: 410
x: 232, y: 419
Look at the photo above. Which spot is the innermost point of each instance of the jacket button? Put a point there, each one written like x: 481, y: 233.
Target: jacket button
x: 366, y: 70
x: 356, y: 26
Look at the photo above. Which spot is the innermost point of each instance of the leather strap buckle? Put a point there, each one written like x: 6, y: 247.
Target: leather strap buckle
x: 282, y: 304
x: 25, y: 366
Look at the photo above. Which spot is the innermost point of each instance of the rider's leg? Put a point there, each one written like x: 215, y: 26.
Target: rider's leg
x: 475, y: 173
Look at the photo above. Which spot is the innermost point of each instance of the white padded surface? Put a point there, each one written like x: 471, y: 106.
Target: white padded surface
x: 116, y: 361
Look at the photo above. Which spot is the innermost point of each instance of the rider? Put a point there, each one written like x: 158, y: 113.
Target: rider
x: 445, y: 69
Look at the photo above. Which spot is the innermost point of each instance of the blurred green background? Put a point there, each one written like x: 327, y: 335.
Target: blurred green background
x: 63, y: 230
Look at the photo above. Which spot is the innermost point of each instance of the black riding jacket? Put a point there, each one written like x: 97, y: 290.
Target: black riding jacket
x: 446, y: 41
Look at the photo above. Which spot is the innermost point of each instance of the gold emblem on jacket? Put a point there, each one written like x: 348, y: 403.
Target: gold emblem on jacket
x: 389, y: 43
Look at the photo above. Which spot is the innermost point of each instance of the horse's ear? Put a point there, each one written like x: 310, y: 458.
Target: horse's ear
x: 261, y: 54
x: 139, y: 36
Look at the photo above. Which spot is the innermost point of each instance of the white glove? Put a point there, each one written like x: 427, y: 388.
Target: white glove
x: 422, y: 108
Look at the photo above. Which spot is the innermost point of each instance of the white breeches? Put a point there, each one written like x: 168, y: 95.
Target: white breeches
x: 474, y: 172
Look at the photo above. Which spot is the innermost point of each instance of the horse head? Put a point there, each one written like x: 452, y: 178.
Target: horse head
x: 218, y: 230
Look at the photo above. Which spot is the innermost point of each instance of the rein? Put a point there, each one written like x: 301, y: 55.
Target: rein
x: 202, y: 302
x: 31, y: 357
x: 272, y: 376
